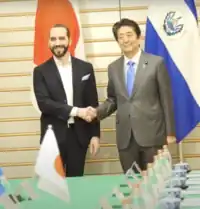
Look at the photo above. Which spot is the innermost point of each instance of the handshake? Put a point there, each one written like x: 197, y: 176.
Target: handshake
x: 88, y: 114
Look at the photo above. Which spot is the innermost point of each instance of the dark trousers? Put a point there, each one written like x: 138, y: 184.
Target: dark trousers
x: 135, y: 152
x: 72, y: 154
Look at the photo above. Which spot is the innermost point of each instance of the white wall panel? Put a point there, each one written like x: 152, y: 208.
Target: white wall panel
x: 19, y: 171
x: 102, y: 93
x: 108, y: 122
x: 137, y: 15
x: 16, y: 52
x: 99, y: 17
x: 102, y: 62
x: 16, y: 112
x: 107, y: 167
x: 15, y: 82
x: 97, y: 33
x: 16, y: 37
x: 131, y: 3
x: 108, y: 137
x: 22, y: 79
x: 101, y: 77
x: 102, y: 47
x: 14, y: 7
x: 20, y: 127
x: 13, y: 22
x: 18, y: 156
x: 94, y: 4
x: 19, y: 141
x: 15, y: 67
x: 191, y: 148
x: 193, y: 162
x: 104, y: 152
x: 14, y: 97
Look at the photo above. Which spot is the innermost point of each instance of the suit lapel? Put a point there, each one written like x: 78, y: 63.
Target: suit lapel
x: 75, y: 79
x: 142, y: 66
x: 56, y: 75
x: 121, y: 76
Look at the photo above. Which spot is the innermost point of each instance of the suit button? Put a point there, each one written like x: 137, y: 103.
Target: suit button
x: 129, y: 115
x: 65, y: 101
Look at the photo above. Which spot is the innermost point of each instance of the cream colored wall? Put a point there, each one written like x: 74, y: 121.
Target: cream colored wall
x: 19, y: 121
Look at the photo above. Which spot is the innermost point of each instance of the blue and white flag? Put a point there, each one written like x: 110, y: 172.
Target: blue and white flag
x: 172, y: 32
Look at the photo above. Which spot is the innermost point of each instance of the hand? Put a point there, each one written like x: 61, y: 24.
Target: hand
x: 87, y: 114
x: 91, y: 113
x: 94, y: 145
x: 171, y: 139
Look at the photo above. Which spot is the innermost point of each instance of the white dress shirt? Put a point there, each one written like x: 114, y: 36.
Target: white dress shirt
x: 66, y: 77
x: 134, y: 59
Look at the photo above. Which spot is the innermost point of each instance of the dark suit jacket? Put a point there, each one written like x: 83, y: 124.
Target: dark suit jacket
x: 52, y: 99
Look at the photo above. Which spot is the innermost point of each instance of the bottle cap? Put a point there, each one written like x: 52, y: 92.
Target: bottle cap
x: 155, y: 157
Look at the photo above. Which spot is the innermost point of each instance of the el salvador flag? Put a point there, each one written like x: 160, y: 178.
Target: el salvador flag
x: 172, y: 32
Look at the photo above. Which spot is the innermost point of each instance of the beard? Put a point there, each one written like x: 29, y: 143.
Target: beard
x: 59, y: 51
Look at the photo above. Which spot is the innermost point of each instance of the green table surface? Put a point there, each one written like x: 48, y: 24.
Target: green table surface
x: 85, y: 193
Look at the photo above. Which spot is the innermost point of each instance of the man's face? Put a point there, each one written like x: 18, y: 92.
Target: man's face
x: 58, y: 42
x: 127, y: 39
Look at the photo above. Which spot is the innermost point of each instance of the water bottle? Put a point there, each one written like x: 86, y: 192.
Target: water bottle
x: 163, y: 162
x: 165, y: 168
x: 157, y: 166
x: 153, y: 180
x: 168, y: 158
x: 147, y: 190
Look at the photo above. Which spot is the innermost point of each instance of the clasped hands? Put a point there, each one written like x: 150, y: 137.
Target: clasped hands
x: 88, y: 114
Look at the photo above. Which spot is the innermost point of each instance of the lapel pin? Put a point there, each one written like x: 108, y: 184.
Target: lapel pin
x: 145, y: 64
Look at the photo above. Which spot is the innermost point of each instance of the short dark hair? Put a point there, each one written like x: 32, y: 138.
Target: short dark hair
x: 62, y: 26
x: 126, y: 22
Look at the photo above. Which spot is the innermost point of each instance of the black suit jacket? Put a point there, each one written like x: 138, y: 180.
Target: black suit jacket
x: 52, y: 99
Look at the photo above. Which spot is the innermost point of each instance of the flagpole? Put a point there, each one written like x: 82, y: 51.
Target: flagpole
x: 180, y: 146
x: 120, y: 10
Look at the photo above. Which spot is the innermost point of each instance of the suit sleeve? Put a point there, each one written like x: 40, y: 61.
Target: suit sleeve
x: 91, y: 99
x: 166, y: 99
x: 44, y: 101
x: 110, y: 105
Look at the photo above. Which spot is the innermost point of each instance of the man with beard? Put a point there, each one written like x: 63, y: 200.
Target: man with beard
x: 65, y: 87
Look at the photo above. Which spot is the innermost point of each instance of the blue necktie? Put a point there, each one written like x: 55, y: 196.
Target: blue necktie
x: 130, y: 77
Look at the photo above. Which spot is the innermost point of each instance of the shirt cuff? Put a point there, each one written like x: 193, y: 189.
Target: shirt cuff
x: 74, y: 111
